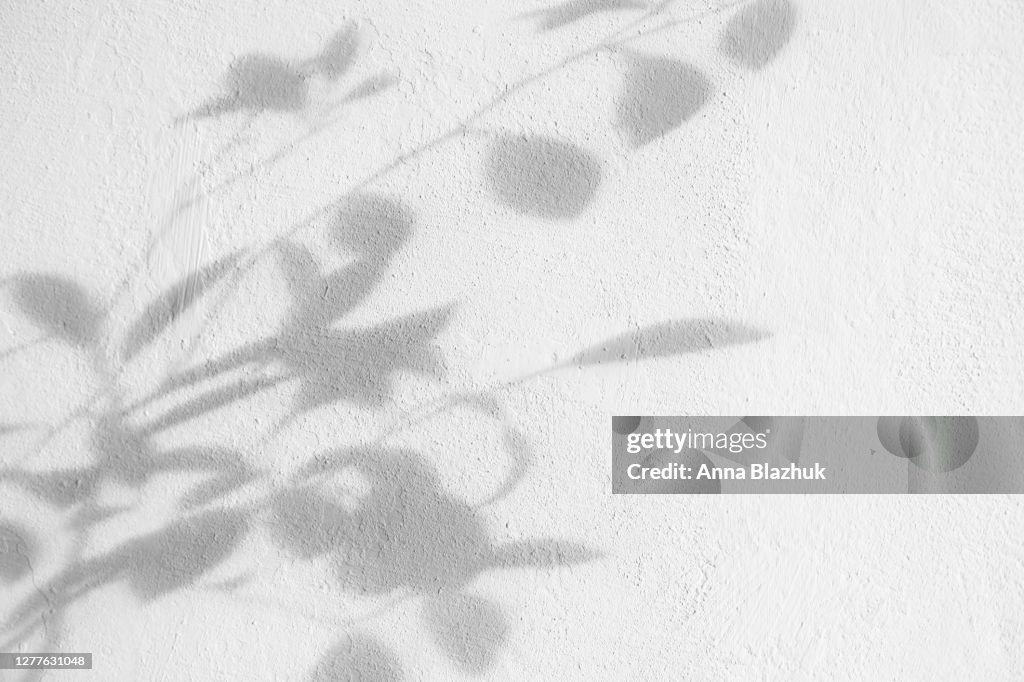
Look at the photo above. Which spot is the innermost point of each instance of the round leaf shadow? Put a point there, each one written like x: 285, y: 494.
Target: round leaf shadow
x: 542, y: 176
x: 758, y: 32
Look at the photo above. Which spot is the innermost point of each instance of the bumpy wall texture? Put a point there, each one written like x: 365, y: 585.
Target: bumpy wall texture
x: 313, y: 315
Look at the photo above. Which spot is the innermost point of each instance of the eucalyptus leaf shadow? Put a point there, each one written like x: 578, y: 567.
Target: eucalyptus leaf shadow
x: 259, y: 83
x: 384, y: 521
x: 658, y: 96
x: 358, y: 657
x: 757, y: 33
x: 337, y: 55
x: 469, y: 630
x: 541, y: 176
x: 572, y: 11
x: 59, y: 306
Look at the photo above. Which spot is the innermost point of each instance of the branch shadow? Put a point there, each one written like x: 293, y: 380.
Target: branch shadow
x: 17, y: 551
x: 381, y: 518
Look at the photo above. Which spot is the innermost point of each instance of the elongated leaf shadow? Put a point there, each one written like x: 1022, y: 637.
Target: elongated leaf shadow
x: 571, y: 11
x: 159, y: 314
x: 666, y: 339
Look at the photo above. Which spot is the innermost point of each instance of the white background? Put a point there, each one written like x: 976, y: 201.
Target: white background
x: 857, y: 199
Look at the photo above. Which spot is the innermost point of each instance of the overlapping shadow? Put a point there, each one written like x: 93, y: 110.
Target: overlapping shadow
x: 403, y: 531
x: 381, y: 518
x: 386, y: 523
x: 331, y: 364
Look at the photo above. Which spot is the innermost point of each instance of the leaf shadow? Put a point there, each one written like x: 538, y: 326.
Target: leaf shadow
x: 757, y: 33
x: 359, y: 365
x: 162, y: 312
x: 397, y: 527
x: 358, y: 656
x: 385, y: 522
x: 152, y: 565
x: 469, y: 630
x: 337, y: 55
x: 542, y: 176
x: 658, y: 96
x: 60, y: 306
x: 571, y: 11
x: 258, y: 83
x: 666, y: 339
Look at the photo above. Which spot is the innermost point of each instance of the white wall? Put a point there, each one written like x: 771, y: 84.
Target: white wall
x: 293, y: 295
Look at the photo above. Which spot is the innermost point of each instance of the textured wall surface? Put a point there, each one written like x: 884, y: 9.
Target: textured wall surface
x: 312, y: 316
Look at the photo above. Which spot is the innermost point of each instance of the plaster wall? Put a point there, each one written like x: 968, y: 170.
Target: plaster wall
x: 313, y: 314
